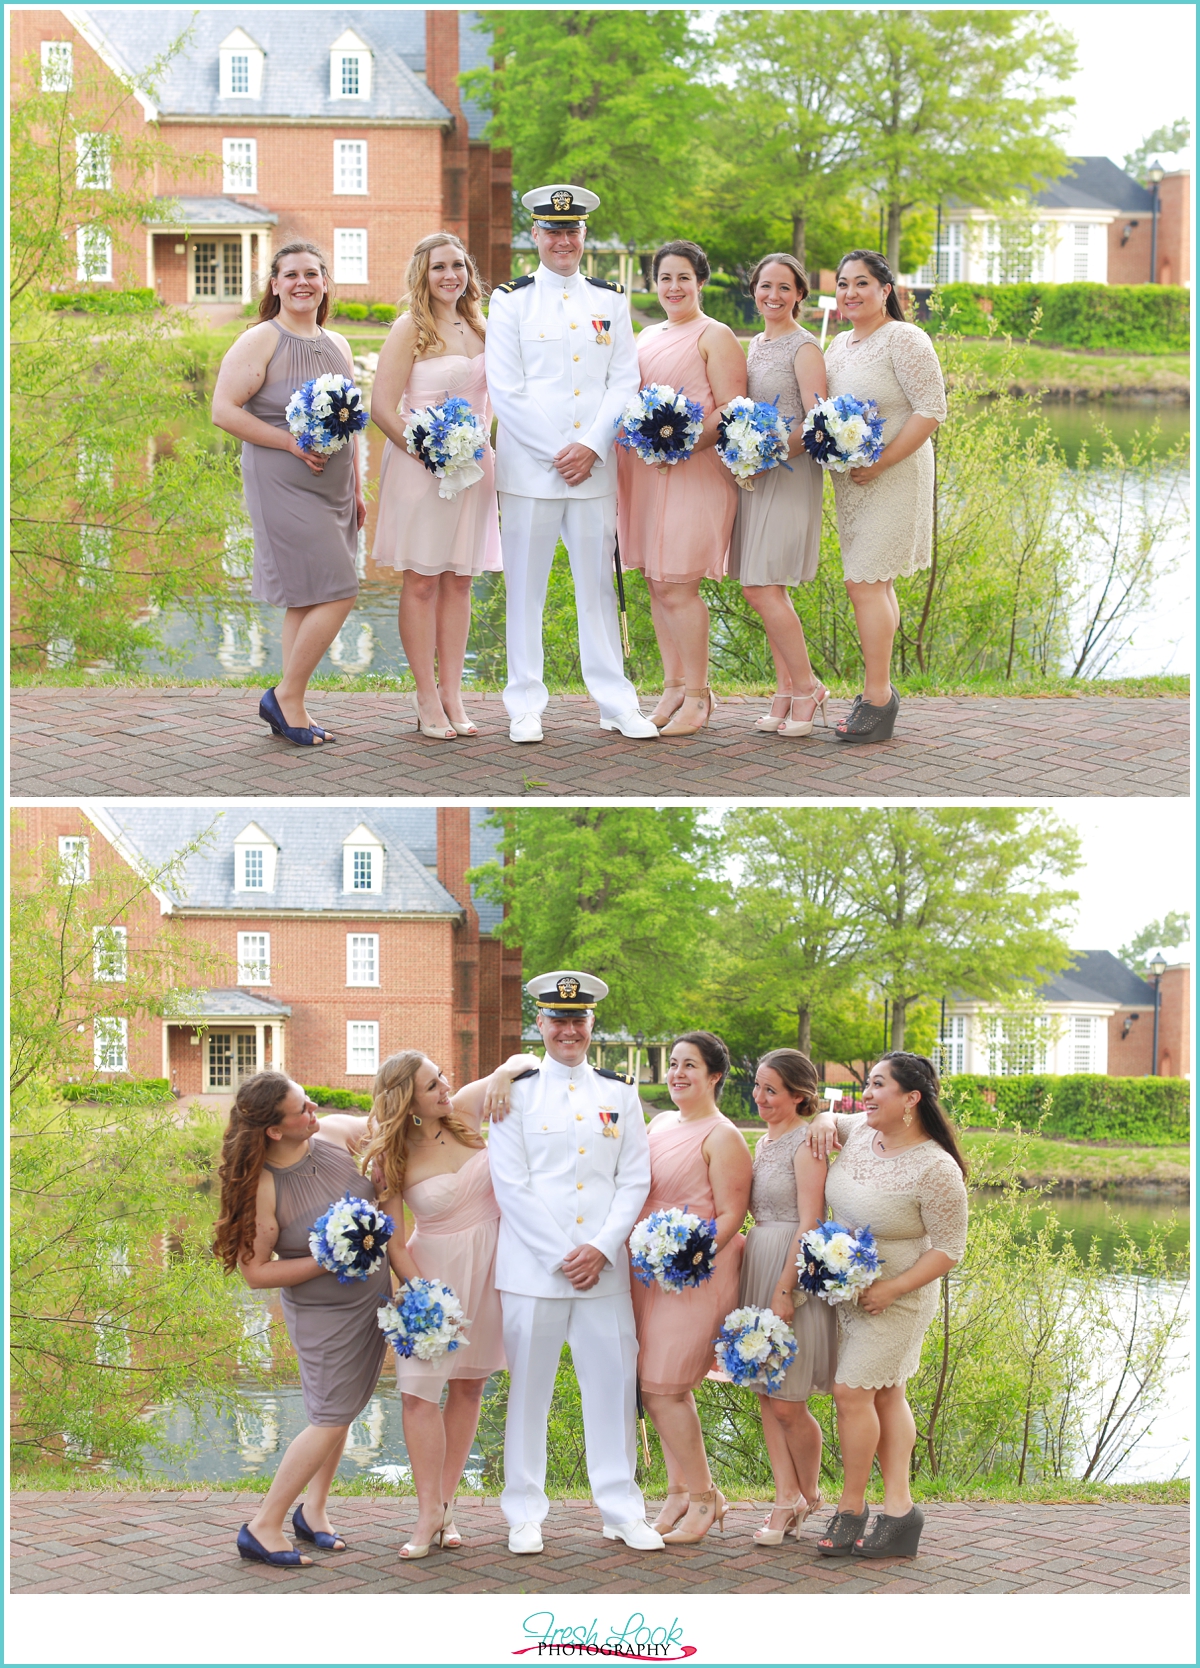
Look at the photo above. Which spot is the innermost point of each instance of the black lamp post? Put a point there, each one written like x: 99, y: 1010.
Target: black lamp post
x: 1154, y: 174
x: 1158, y: 967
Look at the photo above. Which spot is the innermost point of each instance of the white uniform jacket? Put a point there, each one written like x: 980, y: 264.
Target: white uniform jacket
x: 561, y: 1182
x: 561, y: 368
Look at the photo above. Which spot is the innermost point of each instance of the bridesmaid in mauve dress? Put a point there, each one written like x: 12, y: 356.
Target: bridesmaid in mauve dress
x: 699, y: 1162
x: 305, y: 510
x: 271, y: 1207
x: 674, y: 521
x: 433, y: 352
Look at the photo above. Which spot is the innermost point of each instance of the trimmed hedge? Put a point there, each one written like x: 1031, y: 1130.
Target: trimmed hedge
x: 105, y: 301
x: 350, y: 309
x: 132, y: 1091
x: 1140, y: 318
x: 382, y: 311
x: 1141, y: 1111
x: 345, y: 1100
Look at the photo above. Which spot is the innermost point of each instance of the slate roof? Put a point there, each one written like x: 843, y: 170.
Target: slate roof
x: 1099, y: 976
x: 210, y: 211
x: 309, y: 867
x: 1096, y: 182
x: 232, y: 1004
x: 296, y: 41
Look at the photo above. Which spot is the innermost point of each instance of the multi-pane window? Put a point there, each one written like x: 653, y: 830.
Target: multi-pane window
x: 110, y: 1044
x: 93, y: 162
x: 947, y: 263
x: 239, y: 73
x: 220, y: 1059
x: 362, y: 958
x: 231, y: 271
x: 58, y: 64
x: 239, y: 158
x: 1083, y: 243
x: 95, y: 553
x: 350, y: 76
x: 1081, y: 1044
x: 950, y: 1052
x: 247, y: 1054
x: 74, y: 857
x: 361, y: 872
x: 93, y: 255
x: 254, y: 958
x: 349, y: 73
x: 110, y: 947
x: 362, y: 1047
x: 349, y: 255
x: 252, y: 869
x: 350, y: 166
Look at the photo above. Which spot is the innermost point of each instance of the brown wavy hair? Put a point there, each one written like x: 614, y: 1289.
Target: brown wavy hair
x: 916, y: 1072
x: 712, y: 1051
x: 243, y: 1154
x: 795, y: 1070
x: 389, y: 1122
x: 801, y: 277
x: 419, y: 302
x: 269, y: 303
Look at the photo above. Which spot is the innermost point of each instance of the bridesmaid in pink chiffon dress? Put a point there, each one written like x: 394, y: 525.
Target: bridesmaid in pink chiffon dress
x: 699, y: 1162
x: 434, y: 352
x: 674, y: 521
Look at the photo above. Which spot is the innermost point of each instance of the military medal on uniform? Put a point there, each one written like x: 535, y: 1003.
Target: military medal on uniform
x: 609, y: 1119
x: 602, y: 328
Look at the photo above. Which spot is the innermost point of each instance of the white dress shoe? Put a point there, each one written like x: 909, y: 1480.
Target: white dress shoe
x: 637, y: 1534
x: 528, y: 727
x: 632, y: 724
x: 526, y: 1537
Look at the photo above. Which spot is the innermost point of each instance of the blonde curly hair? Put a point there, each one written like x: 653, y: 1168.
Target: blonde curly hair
x: 389, y: 1122
x: 420, y: 303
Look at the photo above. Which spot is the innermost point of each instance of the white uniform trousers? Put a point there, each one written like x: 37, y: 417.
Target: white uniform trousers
x: 603, y: 1342
x: 529, y: 531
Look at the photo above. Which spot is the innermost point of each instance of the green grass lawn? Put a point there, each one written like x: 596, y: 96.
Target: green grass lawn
x: 1051, y: 1161
x: 1078, y: 370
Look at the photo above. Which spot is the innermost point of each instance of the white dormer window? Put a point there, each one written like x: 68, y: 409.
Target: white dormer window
x: 362, y: 861
x: 254, y: 859
x: 350, y: 67
x: 57, y: 66
x: 241, y: 66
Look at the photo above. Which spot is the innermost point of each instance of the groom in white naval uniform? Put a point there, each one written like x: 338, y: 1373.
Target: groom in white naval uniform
x: 570, y: 1167
x: 561, y: 368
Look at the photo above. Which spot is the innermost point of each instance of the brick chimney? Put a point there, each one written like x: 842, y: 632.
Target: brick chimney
x: 441, y: 77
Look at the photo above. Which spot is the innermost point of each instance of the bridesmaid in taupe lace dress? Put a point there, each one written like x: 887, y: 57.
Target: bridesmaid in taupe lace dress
x: 777, y: 534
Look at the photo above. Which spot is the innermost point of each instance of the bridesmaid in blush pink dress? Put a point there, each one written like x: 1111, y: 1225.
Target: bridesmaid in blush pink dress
x: 674, y: 521
x: 434, y: 352
x: 699, y: 1162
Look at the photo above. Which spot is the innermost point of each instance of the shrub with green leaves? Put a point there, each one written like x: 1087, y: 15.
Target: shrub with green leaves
x: 105, y: 301
x: 383, y: 312
x: 1139, y: 318
x: 1140, y: 1111
x: 346, y: 1100
x: 350, y: 309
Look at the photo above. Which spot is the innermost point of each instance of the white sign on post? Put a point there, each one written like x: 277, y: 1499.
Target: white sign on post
x: 827, y: 304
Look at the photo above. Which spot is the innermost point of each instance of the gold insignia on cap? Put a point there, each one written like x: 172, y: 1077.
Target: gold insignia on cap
x: 568, y: 989
x: 562, y: 201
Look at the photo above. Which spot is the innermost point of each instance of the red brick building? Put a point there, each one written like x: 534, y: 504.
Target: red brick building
x: 344, y: 936
x: 345, y: 128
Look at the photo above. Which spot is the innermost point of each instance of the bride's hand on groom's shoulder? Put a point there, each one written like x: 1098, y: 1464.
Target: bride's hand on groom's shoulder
x: 497, y: 1096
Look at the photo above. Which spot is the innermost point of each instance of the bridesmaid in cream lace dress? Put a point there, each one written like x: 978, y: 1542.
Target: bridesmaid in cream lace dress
x: 884, y: 511
x: 434, y: 351
x: 777, y: 535
x: 901, y: 1174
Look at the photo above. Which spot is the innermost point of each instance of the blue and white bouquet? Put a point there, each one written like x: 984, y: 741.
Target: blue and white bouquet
x: 350, y: 1240
x: 449, y: 440
x: 424, y: 1319
x: 752, y: 436
x: 674, y: 1247
x: 325, y: 413
x: 755, y: 1347
x: 843, y: 433
x: 837, y: 1263
x: 660, y: 425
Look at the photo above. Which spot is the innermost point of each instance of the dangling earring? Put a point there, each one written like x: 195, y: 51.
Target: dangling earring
x: 908, y: 1118
x: 416, y: 1120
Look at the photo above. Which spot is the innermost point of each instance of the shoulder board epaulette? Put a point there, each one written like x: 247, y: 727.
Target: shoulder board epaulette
x: 532, y: 1071
x: 603, y: 284
x: 617, y: 1076
x: 507, y: 289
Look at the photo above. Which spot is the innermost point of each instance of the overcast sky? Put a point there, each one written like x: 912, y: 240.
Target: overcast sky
x: 1139, y: 862
x: 1137, y: 72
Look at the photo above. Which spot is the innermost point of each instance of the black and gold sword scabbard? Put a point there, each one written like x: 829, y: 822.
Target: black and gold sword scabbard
x: 641, y: 1411
x: 624, y: 646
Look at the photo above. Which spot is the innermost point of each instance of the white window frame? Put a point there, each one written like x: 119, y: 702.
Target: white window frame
x: 93, y: 255
x: 254, y: 958
x: 339, y: 60
x: 254, y: 839
x: 253, y: 869
x: 350, y: 264
x: 359, y: 843
x: 110, y: 1044
x: 93, y: 162
x: 1081, y: 246
x: 362, y: 964
x: 356, y: 151
x: 110, y: 955
x: 239, y: 47
x: 74, y: 853
x: 239, y: 164
x: 1083, y: 1043
x: 951, y: 1050
x: 362, y: 1039
x: 58, y: 66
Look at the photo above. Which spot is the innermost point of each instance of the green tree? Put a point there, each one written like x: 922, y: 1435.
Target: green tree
x: 966, y: 899
x: 115, y: 514
x: 1168, y: 140
x: 954, y: 104
x: 1174, y: 929
x: 623, y: 894
x: 604, y: 99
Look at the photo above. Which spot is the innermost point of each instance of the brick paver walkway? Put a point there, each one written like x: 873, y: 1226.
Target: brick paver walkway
x: 68, y: 742
x: 184, y: 1543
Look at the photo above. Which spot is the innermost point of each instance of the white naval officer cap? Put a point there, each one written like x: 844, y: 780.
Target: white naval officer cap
x: 556, y: 206
x: 564, y: 994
